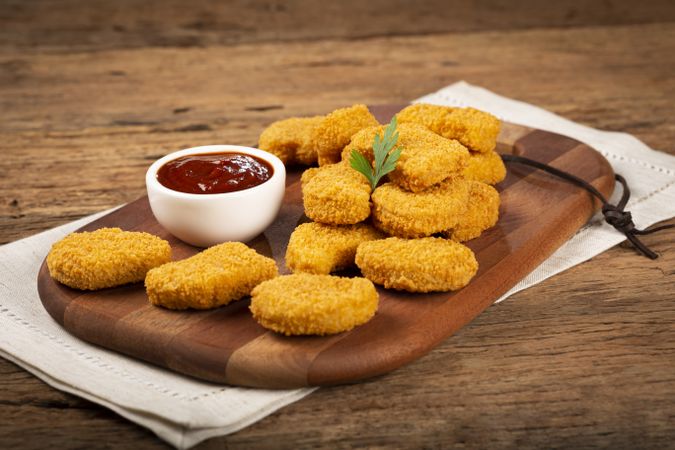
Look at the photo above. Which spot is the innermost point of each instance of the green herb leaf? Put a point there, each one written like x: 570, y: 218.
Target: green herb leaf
x: 390, y: 164
x: 385, y: 156
x: 361, y: 164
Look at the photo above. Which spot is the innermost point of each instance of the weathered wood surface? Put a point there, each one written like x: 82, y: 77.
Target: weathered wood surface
x: 94, y: 25
x: 585, y: 359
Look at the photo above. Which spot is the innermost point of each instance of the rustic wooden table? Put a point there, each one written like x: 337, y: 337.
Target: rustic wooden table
x: 93, y: 91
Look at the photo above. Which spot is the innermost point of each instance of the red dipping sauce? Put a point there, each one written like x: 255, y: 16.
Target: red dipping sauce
x: 214, y: 173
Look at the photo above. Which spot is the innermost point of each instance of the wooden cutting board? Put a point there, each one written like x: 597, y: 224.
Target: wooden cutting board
x: 538, y: 214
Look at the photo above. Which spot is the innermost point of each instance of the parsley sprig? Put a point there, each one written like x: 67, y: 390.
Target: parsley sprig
x: 385, y: 153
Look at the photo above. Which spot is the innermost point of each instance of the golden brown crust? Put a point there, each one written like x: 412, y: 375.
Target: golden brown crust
x: 105, y: 258
x: 308, y: 174
x: 362, y: 142
x: 426, y: 158
x: 485, y: 167
x: 405, y: 214
x: 336, y: 195
x: 290, y: 139
x: 322, y: 249
x: 477, y: 130
x: 417, y: 265
x: 482, y: 213
x: 433, y: 117
x: 336, y: 129
x: 302, y: 304
x: 212, y: 278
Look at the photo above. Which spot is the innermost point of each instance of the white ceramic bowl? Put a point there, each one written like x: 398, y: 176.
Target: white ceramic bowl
x: 204, y: 220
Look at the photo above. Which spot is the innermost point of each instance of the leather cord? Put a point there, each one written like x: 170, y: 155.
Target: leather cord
x: 614, y: 214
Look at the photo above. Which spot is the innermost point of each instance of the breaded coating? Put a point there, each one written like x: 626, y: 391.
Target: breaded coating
x: 336, y: 195
x: 417, y: 265
x: 482, y: 212
x: 477, y: 130
x: 406, y: 214
x: 337, y: 128
x: 303, y: 303
x: 322, y: 249
x: 290, y: 139
x: 485, y: 167
x: 433, y: 117
x: 308, y: 174
x: 212, y: 278
x: 426, y: 158
x: 105, y: 258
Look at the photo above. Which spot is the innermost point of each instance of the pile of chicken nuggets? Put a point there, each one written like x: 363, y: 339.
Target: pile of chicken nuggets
x: 406, y: 234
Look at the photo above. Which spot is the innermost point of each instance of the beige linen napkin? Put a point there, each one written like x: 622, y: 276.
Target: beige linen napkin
x: 185, y: 411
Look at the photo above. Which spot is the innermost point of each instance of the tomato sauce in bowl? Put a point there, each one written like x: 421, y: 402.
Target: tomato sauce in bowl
x: 214, y: 173
x: 216, y: 193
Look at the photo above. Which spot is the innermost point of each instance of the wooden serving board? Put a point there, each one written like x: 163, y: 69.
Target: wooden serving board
x: 538, y: 214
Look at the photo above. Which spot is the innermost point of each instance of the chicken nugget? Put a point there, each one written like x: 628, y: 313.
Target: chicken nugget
x: 308, y: 174
x: 433, y: 117
x: 336, y: 129
x: 426, y: 158
x: 336, y: 195
x: 322, y: 249
x: 486, y: 167
x: 290, y: 139
x: 417, y: 265
x: 482, y: 212
x: 214, y: 277
x: 406, y: 214
x: 475, y: 129
x: 105, y: 258
x: 303, y: 303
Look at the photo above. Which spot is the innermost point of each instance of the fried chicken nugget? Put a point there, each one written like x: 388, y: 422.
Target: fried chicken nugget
x: 290, y: 139
x: 336, y: 195
x: 406, y: 214
x: 475, y: 129
x: 485, y: 167
x: 417, y: 265
x: 482, y: 212
x: 308, y: 174
x: 105, y: 258
x: 322, y: 249
x: 337, y: 128
x: 303, y: 303
x: 426, y: 158
x: 214, y: 277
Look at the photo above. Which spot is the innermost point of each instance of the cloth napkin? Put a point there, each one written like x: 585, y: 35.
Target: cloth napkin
x: 184, y: 411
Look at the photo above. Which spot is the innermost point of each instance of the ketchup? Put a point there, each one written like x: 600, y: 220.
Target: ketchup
x: 214, y: 173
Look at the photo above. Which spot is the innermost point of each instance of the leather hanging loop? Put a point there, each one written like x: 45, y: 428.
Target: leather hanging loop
x: 613, y: 214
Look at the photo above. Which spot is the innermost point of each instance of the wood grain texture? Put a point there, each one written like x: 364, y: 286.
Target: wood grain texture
x: 234, y: 349
x: 98, y: 24
x: 582, y: 360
